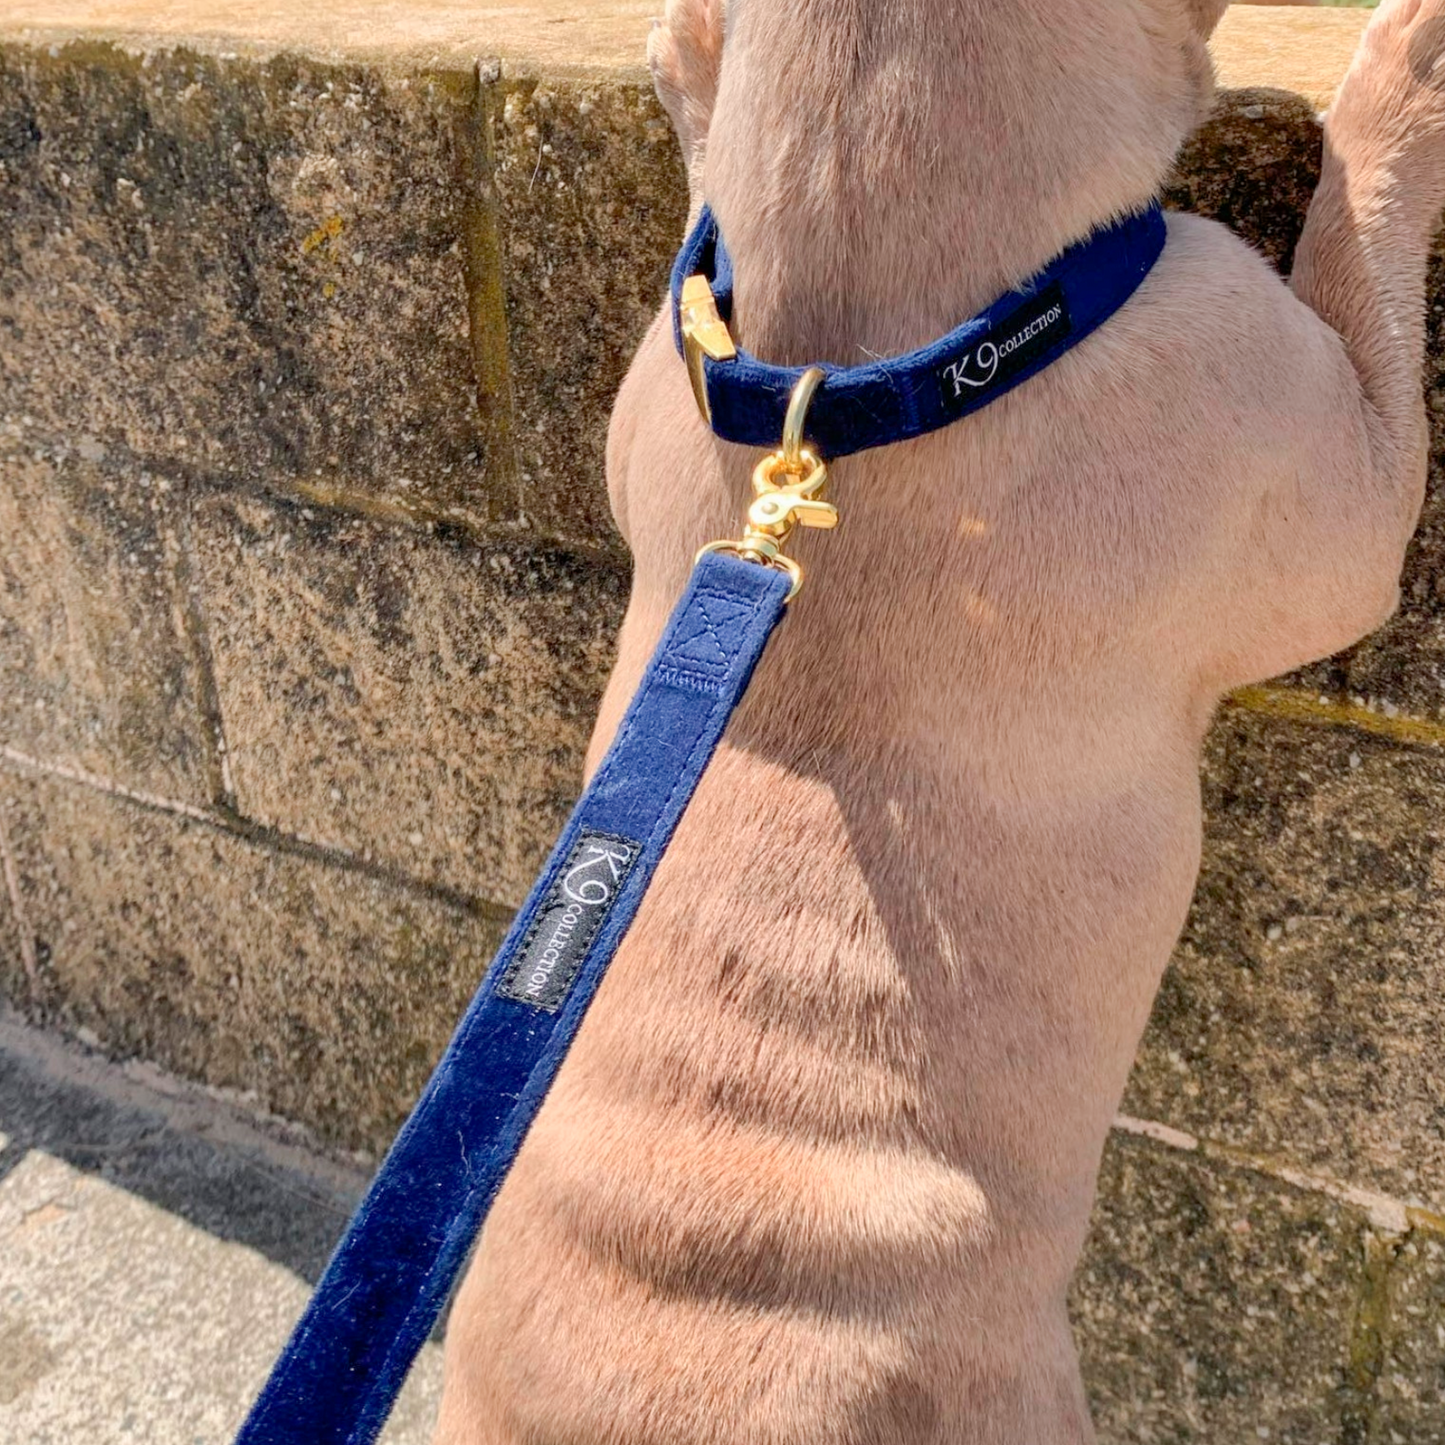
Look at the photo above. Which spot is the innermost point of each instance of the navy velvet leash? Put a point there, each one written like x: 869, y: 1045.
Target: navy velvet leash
x: 375, y: 1306
x: 901, y: 397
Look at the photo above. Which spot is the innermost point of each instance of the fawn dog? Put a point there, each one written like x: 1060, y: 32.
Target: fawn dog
x: 821, y: 1163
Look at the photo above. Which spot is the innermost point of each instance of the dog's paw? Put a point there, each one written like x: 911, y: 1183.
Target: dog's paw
x: 1410, y: 34
x: 1403, y: 50
x: 684, y: 53
x: 1390, y: 113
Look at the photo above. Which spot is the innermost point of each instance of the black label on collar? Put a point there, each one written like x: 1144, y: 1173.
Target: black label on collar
x: 1039, y: 325
x: 574, y: 909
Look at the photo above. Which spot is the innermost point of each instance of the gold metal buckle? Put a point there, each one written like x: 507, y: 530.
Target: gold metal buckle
x: 780, y: 505
x: 704, y: 333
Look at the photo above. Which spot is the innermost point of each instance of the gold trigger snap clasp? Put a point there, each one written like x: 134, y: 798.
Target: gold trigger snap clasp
x: 787, y: 493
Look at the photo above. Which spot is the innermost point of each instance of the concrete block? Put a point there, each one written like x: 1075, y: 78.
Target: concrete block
x: 1302, y: 1015
x: 15, y: 965
x: 253, y: 269
x: 99, y: 668
x: 1216, y: 1304
x: 325, y: 994
x: 1411, y: 1406
x: 1254, y: 166
x: 403, y: 694
x: 592, y: 203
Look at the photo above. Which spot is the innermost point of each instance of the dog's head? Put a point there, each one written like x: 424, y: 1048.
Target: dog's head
x: 1008, y: 128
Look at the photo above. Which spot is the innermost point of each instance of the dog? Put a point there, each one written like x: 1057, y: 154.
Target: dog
x: 821, y: 1163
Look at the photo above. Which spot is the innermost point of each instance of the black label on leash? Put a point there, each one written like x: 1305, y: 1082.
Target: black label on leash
x: 1037, y: 326
x: 574, y: 910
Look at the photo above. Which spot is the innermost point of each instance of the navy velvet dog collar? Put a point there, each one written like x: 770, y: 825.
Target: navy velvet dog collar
x: 888, y: 401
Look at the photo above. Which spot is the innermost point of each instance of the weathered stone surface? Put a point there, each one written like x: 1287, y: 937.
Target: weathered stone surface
x: 592, y: 202
x: 1303, y: 1012
x: 403, y: 694
x: 256, y: 269
x: 13, y: 964
x: 1411, y: 1389
x: 326, y: 994
x: 98, y: 666
x: 1216, y: 1305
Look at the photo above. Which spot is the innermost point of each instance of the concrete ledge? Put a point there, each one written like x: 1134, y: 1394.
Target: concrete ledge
x: 1305, y: 51
x: 572, y: 39
x: 565, y: 39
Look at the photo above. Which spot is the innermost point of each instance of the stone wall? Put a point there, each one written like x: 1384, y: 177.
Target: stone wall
x: 308, y: 331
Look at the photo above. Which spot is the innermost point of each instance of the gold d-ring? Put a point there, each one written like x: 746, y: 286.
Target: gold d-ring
x: 798, y: 404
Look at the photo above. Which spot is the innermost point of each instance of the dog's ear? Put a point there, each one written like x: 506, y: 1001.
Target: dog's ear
x: 1206, y: 14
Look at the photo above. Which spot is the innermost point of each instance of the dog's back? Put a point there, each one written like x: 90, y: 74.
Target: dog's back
x: 818, y: 1167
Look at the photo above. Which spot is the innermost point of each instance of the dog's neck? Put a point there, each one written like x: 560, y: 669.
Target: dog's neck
x: 881, y: 172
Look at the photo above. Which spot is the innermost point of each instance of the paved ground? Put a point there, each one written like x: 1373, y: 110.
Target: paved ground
x: 155, y: 1247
